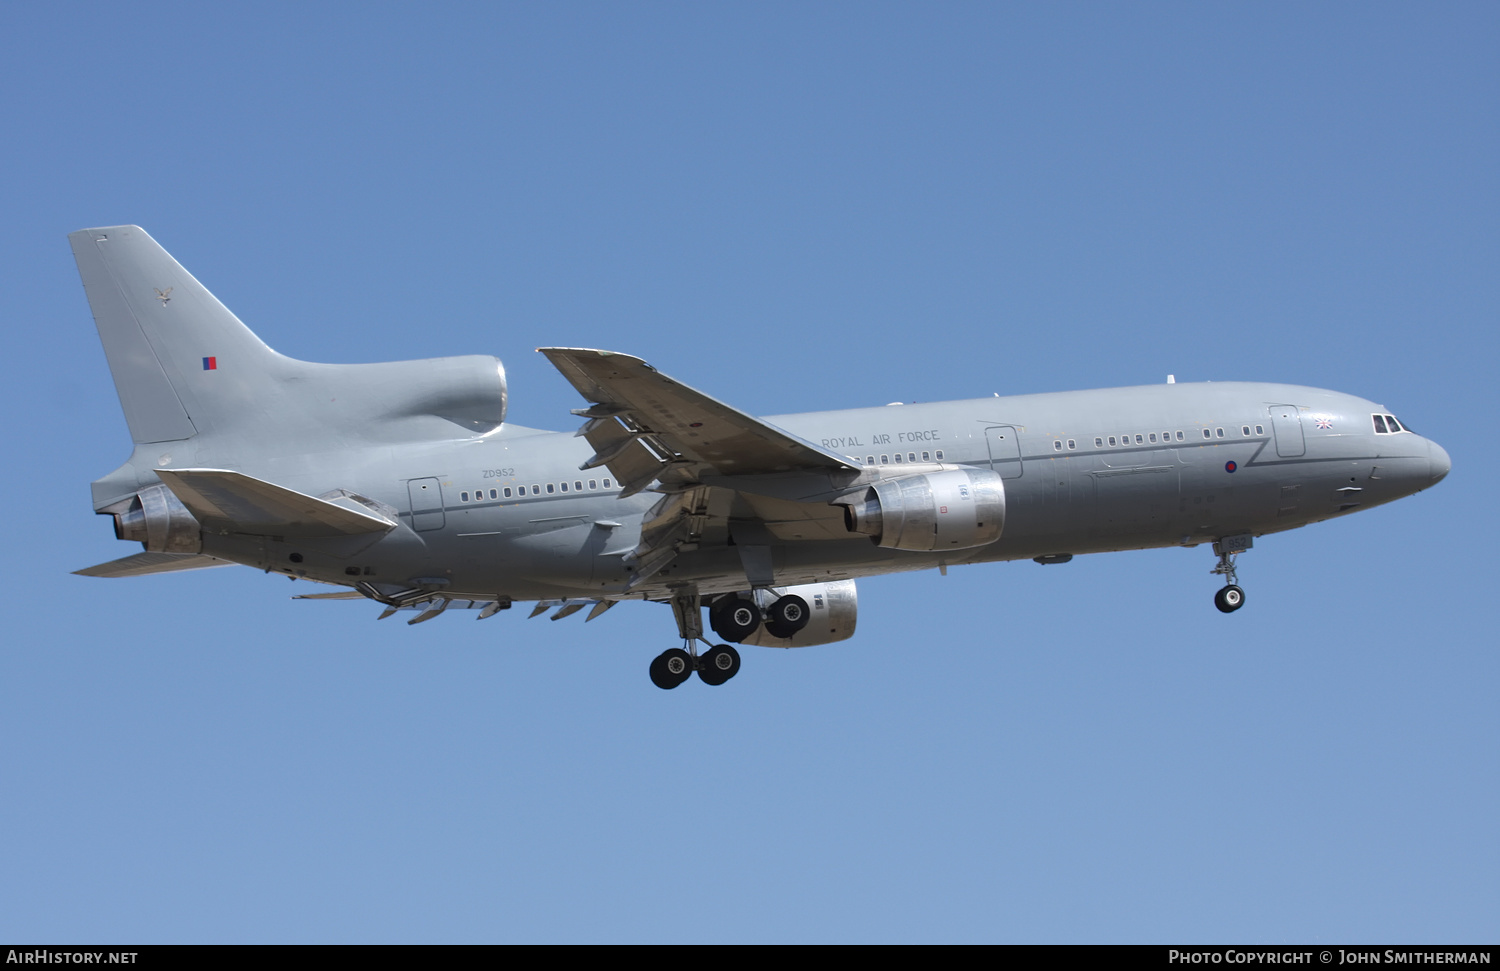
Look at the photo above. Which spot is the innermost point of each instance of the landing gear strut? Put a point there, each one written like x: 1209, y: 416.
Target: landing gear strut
x: 1231, y: 597
x: 674, y: 666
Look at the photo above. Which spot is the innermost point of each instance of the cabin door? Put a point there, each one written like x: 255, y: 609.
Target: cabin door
x: 1005, y: 450
x: 426, y: 504
x: 1288, y: 425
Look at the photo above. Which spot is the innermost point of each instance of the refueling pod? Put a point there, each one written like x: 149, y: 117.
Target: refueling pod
x: 956, y: 509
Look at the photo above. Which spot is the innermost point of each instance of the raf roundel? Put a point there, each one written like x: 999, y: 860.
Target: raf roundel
x: 1230, y: 466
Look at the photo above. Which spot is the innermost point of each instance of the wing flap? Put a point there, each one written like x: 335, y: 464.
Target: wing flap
x: 242, y: 503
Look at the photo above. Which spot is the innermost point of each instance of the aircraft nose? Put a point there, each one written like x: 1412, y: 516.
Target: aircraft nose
x: 1438, y: 461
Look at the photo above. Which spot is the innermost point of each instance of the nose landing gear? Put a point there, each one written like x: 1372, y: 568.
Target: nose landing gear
x: 1231, y: 597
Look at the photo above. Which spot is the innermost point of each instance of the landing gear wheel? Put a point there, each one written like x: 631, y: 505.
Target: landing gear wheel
x: 787, y: 616
x: 734, y: 618
x: 1230, y: 599
x: 719, y: 665
x: 671, y: 668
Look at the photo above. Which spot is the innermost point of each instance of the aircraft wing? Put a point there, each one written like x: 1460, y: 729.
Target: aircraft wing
x: 143, y: 564
x: 644, y: 424
x: 729, y: 478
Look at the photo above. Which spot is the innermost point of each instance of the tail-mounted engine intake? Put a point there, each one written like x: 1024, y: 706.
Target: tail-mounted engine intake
x: 953, y: 510
x: 158, y: 520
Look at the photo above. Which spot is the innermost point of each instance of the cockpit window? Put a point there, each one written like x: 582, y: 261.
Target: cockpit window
x: 1388, y: 425
x: 1380, y: 424
x: 1394, y: 425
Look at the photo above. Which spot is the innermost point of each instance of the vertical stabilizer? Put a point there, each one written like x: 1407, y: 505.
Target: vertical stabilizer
x: 182, y: 363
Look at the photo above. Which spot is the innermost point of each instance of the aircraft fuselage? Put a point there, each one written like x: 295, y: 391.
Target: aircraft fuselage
x: 511, y: 514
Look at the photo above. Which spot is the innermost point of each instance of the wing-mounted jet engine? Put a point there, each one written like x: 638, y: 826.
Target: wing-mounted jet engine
x: 956, y: 509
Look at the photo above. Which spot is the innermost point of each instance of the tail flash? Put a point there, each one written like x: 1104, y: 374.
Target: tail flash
x: 181, y: 361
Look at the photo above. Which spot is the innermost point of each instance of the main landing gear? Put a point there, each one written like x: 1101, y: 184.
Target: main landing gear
x: 1231, y: 597
x: 735, y: 617
x: 715, y: 666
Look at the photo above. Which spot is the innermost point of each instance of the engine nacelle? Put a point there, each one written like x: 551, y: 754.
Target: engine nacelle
x: 956, y: 509
x: 158, y: 520
x: 833, y: 607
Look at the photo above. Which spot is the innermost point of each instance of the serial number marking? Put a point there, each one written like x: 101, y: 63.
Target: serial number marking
x: 499, y: 473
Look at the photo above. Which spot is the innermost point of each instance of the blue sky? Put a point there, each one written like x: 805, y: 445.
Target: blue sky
x: 793, y: 207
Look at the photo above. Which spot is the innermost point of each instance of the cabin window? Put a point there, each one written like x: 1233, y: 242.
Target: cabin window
x: 1111, y: 441
x: 1260, y: 429
x: 577, y: 486
x: 1140, y: 440
x: 1219, y: 432
x: 912, y: 456
x: 464, y: 496
x: 549, y: 488
x: 1057, y: 445
x: 898, y: 458
x: 1152, y: 438
x: 507, y: 492
x: 885, y: 460
x: 1245, y: 430
x: 1207, y: 433
x: 1098, y: 443
x: 1072, y: 444
x: 593, y: 483
x: 536, y: 490
x: 939, y: 455
x: 926, y: 456
x: 869, y: 460
x: 564, y: 487
x: 1179, y: 436
x: 606, y: 483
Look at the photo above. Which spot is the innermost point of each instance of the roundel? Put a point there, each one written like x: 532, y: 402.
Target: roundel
x: 1230, y: 466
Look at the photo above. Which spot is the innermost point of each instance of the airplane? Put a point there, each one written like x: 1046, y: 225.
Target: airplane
x: 403, y: 483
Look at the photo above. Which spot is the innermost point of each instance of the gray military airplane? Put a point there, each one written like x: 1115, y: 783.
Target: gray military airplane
x: 404, y: 484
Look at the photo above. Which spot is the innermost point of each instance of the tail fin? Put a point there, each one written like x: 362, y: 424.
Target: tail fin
x: 186, y: 368
x: 182, y: 363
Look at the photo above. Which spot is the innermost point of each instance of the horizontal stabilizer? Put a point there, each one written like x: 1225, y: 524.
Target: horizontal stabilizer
x: 143, y: 564
x: 222, y: 499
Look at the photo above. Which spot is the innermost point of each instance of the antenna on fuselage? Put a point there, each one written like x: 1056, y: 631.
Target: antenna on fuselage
x: 1171, y: 379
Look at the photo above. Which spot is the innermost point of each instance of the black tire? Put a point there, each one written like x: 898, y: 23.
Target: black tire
x: 787, y: 616
x: 671, y: 668
x: 734, y: 618
x: 719, y: 665
x: 1230, y: 599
